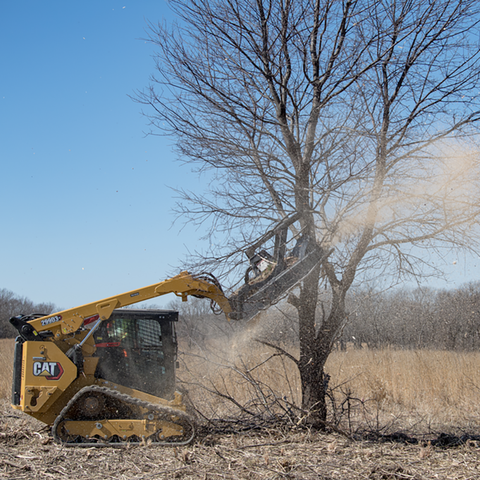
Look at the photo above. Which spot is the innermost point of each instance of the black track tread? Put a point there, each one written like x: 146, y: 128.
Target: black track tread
x: 164, y: 410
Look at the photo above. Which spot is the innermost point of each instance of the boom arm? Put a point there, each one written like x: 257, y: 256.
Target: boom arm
x: 69, y: 321
x: 244, y: 304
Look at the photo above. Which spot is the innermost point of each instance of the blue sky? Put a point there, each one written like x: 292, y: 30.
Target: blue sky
x: 86, y: 205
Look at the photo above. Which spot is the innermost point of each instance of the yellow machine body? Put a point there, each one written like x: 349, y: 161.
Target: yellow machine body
x: 56, y: 364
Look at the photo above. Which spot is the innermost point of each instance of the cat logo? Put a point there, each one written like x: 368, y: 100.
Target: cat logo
x: 49, y: 370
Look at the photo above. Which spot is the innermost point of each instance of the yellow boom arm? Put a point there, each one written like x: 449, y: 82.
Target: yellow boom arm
x: 69, y: 321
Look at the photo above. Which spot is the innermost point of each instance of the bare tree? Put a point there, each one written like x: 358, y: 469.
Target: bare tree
x: 458, y: 314
x: 415, y: 318
x: 339, y: 111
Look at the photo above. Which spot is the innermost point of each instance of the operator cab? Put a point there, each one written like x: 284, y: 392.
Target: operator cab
x: 138, y: 349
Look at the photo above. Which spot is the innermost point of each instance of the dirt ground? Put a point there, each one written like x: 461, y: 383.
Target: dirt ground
x: 27, y: 452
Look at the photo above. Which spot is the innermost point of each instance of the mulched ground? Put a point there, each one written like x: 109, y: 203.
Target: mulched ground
x: 27, y: 452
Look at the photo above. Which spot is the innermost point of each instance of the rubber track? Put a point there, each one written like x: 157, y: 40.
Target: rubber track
x: 187, y: 421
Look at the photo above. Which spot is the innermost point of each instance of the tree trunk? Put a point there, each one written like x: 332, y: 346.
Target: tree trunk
x: 315, y: 346
x: 311, y: 362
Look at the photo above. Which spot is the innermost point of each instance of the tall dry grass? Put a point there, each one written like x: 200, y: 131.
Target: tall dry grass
x: 414, y: 389
x: 408, y: 389
x: 391, y: 389
x: 6, y: 367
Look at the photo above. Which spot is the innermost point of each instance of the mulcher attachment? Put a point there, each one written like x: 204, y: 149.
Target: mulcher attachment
x: 270, y: 277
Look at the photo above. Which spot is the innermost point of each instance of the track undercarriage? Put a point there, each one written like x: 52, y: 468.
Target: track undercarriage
x: 98, y: 416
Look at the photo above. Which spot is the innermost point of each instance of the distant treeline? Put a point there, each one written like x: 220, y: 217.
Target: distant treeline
x: 415, y: 318
x: 12, y: 305
x: 401, y: 318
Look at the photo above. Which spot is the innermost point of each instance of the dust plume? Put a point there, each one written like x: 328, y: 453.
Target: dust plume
x: 418, y: 196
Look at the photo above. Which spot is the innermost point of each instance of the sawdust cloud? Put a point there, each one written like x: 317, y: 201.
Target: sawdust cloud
x: 444, y: 187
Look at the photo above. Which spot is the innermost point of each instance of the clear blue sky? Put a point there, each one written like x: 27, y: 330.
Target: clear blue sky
x: 86, y: 208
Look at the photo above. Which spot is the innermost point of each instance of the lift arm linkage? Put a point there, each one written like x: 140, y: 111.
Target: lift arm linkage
x: 69, y: 321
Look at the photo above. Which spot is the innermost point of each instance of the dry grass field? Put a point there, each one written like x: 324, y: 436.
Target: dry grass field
x: 419, y: 393
x: 6, y: 367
